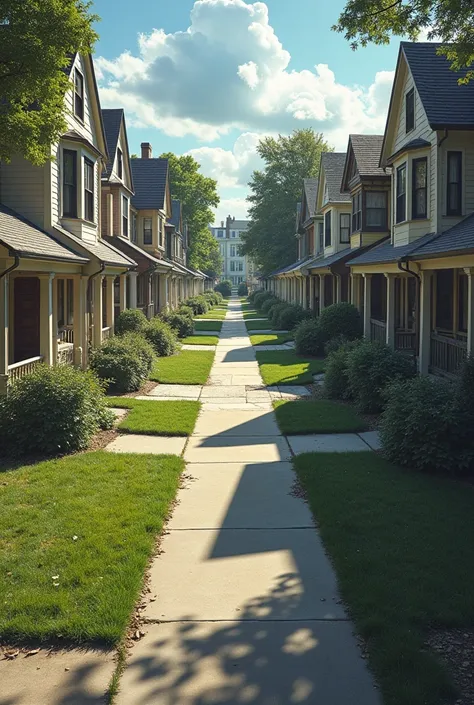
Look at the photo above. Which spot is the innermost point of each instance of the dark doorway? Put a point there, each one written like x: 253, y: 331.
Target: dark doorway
x: 26, y: 317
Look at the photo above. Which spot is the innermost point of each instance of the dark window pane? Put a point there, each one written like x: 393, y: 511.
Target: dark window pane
x: 419, y: 202
x: 462, y: 302
x: 70, y: 183
x: 410, y: 110
x: 444, y: 299
x: 88, y: 190
x: 119, y: 164
x: 345, y: 227
x: 79, y: 94
x: 454, y: 195
x: 147, y: 231
x: 401, y: 193
x: 327, y: 229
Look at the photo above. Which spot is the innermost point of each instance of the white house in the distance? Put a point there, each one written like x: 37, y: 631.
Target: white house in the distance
x: 235, y: 266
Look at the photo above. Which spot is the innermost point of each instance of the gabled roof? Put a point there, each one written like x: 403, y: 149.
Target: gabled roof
x: 27, y: 240
x: 149, y: 177
x: 112, y: 118
x: 333, y: 165
x: 446, y: 103
x: 310, y: 187
x: 459, y: 238
x: 239, y: 225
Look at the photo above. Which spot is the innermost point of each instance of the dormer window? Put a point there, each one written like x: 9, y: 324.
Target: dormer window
x: 410, y: 110
x: 119, y: 163
x: 78, y: 94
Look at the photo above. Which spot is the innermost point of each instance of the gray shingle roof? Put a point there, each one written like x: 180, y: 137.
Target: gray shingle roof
x: 149, y: 178
x: 367, y: 150
x: 102, y: 250
x: 333, y: 164
x: 386, y: 252
x: 27, y: 240
x: 323, y: 262
x: 457, y: 239
x: 311, y: 193
x: 446, y: 103
x: 417, y: 143
x: 239, y: 225
x: 112, y: 118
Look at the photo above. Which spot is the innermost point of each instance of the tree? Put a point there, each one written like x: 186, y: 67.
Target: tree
x: 448, y: 21
x: 198, y: 195
x: 275, y: 191
x: 37, y: 38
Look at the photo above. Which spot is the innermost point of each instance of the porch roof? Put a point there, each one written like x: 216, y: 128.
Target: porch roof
x: 386, y: 252
x: 27, y: 240
x: 135, y: 251
x: 459, y: 238
x: 101, y: 250
x: 282, y: 270
x: 323, y: 262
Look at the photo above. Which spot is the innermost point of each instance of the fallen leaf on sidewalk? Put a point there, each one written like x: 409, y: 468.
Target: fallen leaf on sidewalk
x: 33, y: 652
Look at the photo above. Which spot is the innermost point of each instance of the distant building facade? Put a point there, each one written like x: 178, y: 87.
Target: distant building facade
x: 236, y: 267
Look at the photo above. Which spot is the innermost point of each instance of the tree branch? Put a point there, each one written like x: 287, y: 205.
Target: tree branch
x: 384, y: 9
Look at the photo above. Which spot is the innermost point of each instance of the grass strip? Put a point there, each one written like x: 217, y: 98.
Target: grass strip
x: 258, y: 325
x: 271, y: 338
x: 215, y: 315
x: 207, y: 325
x: 200, y: 340
x: 187, y: 367
x: 320, y: 416
x: 157, y: 418
x: 76, y: 536
x: 285, y: 367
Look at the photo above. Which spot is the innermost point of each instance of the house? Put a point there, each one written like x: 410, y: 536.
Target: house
x: 185, y: 282
x: 418, y: 291
x: 58, y: 276
x: 236, y: 267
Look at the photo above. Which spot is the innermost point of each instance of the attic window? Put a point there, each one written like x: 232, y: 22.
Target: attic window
x: 410, y: 110
x: 120, y: 163
x: 78, y: 94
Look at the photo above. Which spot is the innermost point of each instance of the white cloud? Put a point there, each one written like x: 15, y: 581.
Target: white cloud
x: 229, y: 70
x: 236, y: 207
x: 234, y: 167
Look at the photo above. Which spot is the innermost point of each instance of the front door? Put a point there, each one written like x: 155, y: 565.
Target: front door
x: 26, y: 317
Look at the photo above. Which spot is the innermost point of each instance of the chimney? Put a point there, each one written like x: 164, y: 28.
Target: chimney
x: 146, y: 150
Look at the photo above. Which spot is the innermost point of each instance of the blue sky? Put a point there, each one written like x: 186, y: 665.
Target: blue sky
x: 241, y: 71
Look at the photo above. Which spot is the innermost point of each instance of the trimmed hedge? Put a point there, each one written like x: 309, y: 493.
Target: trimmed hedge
x: 277, y: 310
x: 131, y: 320
x: 291, y: 316
x: 123, y: 362
x: 181, y: 323
x: 162, y: 337
x: 308, y: 338
x: 198, y: 304
x: 340, y: 319
x: 224, y: 287
x: 336, y: 380
x: 268, y: 303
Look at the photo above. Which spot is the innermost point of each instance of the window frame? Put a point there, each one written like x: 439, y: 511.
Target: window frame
x: 414, y: 214
x: 375, y: 228
x: 120, y: 163
x: 347, y: 227
x: 321, y: 236
x: 89, y: 193
x: 328, y: 230
x: 459, y: 205
x: 78, y: 98
x: 356, y: 219
x: 398, y: 196
x: 74, y: 200
x: 409, y: 126
x: 134, y: 229
x: 146, y: 230
x: 125, y: 216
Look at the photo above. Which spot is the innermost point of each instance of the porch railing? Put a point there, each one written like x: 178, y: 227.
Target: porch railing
x: 446, y: 354
x: 405, y: 340
x: 106, y: 333
x: 22, y: 368
x: 378, y: 330
x: 66, y: 334
x: 66, y: 354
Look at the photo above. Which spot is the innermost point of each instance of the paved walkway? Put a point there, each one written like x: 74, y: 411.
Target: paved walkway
x: 244, y: 604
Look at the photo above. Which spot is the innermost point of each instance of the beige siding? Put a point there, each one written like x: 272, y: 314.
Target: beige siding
x: 22, y: 187
x: 422, y: 128
x: 87, y: 128
x: 463, y: 142
x: 336, y: 210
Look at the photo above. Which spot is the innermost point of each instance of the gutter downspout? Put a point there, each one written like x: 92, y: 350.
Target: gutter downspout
x: 149, y: 274
x: 418, y: 278
x: 443, y: 138
x: 4, y: 371
x: 15, y: 265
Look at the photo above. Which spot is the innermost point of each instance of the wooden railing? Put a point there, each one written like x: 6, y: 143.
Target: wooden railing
x: 405, y: 340
x: 66, y: 334
x: 106, y: 333
x: 23, y: 368
x: 378, y: 330
x: 66, y: 354
x: 446, y: 354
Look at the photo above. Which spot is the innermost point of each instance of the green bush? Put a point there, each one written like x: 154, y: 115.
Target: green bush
x: 224, y: 287
x: 181, y: 323
x: 276, y: 311
x: 261, y: 298
x: 340, y: 319
x: 254, y: 294
x: 198, y: 304
x: 184, y: 310
x: 268, y: 303
x: 212, y: 297
x: 131, y: 320
x: 308, y: 338
x: 336, y: 381
x: 123, y: 363
x: 243, y: 289
x: 52, y: 411
x: 162, y: 337
x: 271, y: 310
x: 291, y: 316
x: 370, y: 367
x: 335, y: 343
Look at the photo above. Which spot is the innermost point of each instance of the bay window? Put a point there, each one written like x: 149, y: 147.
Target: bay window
x: 376, y: 210
x: 147, y: 231
x: 327, y: 229
x: 419, y: 189
x: 345, y: 227
x: 357, y: 212
x: 125, y: 205
x: 401, y: 204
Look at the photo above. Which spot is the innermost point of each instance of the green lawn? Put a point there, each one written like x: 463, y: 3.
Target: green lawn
x: 187, y: 367
x: 157, y: 418
x: 208, y: 325
x: 201, y: 340
x: 258, y: 325
x: 285, y: 367
x: 271, y: 338
x: 215, y: 314
x: 401, y: 543
x: 321, y: 416
x: 76, y: 536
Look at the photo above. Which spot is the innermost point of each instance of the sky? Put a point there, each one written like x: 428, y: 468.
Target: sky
x: 211, y: 77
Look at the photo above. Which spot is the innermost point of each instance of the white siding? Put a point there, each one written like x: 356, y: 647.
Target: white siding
x: 86, y: 128
x: 22, y: 187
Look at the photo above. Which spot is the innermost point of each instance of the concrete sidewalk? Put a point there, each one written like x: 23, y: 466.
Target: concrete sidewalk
x: 244, y: 602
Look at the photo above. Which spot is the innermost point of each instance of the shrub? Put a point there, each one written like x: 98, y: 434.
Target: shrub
x: 254, y: 294
x: 198, y: 304
x: 184, y: 310
x: 340, y: 319
x: 211, y: 297
x: 123, y: 362
x: 335, y: 343
x: 291, y: 316
x: 162, y: 337
x: 336, y: 381
x: 268, y: 303
x: 219, y: 297
x: 308, y: 339
x: 181, y: 323
x: 275, y: 306
x: 243, y: 289
x: 131, y: 320
x: 276, y: 312
x: 224, y: 287
x: 53, y: 410
x: 371, y: 366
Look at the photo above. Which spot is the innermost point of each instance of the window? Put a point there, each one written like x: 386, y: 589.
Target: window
x: 232, y: 250
x: 233, y: 234
x: 454, y: 195
x: 239, y: 266
x: 120, y: 163
x: 147, y: 231
x: 239, y: 251
x: 410, y: 110
x: 327, y: 229
x: 88, y: 190
x: 444, y: 299
x: 419, y: 197
x: 376, y: 210
x: 78, y: 94
x: 232, y: 266
x: 160, y: 231
x: 134, y: 227
x: 357, y: 212
x: 69, y: 183
x: 345, y: 227
x: 124, y: 216
x: 321, y: 236
x: 220, y: 233
x: 401, y: 193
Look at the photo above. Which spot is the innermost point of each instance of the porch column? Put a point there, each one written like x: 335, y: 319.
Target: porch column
x: 338, y: 279
x: 470, y: 310
x: 425, y: 321
x: 163, y: 299
x: 55, y: 322
x: 133, y: 284
x: 97, y: 310
x: 311, y: 292
x: 367, y: 304
x: 4, y: 305
x: 355, y: 290
x: 46, y: 318
x: 80, y: 321
x: 390, y: 327
x: 322, y: 303
x: 123, y: 292
x: 149, y: 296
x: 110, y: 311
